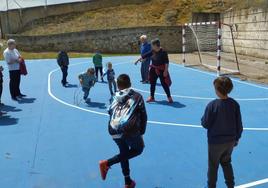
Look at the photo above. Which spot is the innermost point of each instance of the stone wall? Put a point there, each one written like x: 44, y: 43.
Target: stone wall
x: 250, y: 32
x: 108, y: 41
x: 14, y: 20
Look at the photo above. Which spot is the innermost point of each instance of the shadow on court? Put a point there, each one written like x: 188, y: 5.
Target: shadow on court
x: 27, y: 100
x: 7, y: 120
x: 174, y: 104
x: 72, y: 86
x: 99, y: 105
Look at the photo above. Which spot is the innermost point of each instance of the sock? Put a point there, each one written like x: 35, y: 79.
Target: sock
x: 128, y: 180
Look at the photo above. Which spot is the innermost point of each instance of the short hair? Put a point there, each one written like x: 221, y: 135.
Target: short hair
x: 11, y: 41
x: 123, y: 81
x: 143, y: 37
x: 224, y: 85
x: 109, y: 64
x: 156, y: 42
x: 91, y: 70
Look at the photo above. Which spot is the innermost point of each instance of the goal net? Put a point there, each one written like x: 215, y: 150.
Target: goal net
x: 202, y: 46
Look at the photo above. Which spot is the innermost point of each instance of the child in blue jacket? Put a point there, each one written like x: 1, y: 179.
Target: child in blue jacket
x: 87, y: 81
x: 222, y: 119
x: 111, y: 78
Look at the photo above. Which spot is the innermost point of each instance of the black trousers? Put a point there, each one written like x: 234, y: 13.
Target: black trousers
x: 97, y: 70
x: 129, y: 148
x: 220, y: 154
x: 64, y: 70
x: 14, y: 83
x: 153, y: 80
x: 1, y: 87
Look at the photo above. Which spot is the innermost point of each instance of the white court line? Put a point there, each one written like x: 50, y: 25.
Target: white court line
x: 248, y: 185
x: 253, y: 184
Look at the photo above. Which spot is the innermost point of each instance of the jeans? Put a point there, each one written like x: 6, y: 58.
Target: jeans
x: 145, y: 70
x: 220, y: 154
x: 112, y: 85
x: 14, y: 83
x: 86, y: 92
x: 97, y: 70
x: 1, y: 87
x: 153, y: 80
x: 129, y: 148
x: 64, y: 70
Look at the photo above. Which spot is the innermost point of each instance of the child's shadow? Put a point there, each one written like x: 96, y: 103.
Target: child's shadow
x: 96, y: 105
x: 7, y: 120
x: 72, y: 86
x: 174, y: 104
x: 27, y: 100
x: 7, y: 108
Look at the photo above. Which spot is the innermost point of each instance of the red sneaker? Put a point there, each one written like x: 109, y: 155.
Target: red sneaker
x: 170, y: 100
x: 150, y: 99
x: 132, y: 185
x: 104, y: 168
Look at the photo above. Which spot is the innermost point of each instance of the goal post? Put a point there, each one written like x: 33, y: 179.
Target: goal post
x: 202, y: 45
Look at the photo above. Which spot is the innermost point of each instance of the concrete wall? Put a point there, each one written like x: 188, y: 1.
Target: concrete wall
x: 13, y: 20
x: 251, y: 35
x: 109, y: 41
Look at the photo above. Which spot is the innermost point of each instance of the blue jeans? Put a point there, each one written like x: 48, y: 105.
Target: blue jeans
x: 86, y: 92
x: 112, y: 85
x: 145, y: 70
x: 129, y: 148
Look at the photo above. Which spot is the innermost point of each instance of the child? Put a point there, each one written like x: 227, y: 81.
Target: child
x: 222, y: 119
x: 128, y: 120
x: 97, y: 61
x: 87, y: 81
x: 111, y: 78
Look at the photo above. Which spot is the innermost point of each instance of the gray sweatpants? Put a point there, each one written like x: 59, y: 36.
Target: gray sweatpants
x: 145, y: 70
x: 220, y: 154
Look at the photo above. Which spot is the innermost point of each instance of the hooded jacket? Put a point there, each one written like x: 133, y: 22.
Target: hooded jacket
x: 128, y: 117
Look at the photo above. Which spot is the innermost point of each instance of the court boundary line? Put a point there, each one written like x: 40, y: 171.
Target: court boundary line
x: 248, y: 185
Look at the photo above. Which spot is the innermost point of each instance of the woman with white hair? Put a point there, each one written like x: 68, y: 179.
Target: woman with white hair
x: 145, y: 63
x: 13, y: 58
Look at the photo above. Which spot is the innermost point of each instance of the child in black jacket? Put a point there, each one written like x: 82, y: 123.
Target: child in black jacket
x: 128, y: 120
x: 63, y: 62
x: 222, y: 119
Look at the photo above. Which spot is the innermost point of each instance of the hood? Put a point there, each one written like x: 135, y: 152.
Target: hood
x: 123, y: 95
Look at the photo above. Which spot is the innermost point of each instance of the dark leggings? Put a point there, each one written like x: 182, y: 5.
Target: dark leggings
x: 129, y: 148
x: 64, y: 70
x: 97, y: 70
x: 153, y: 80
x: 14, y: 83
x: 1, y: 87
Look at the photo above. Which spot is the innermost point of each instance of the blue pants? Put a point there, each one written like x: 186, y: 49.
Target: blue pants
x: 129, y: 148
x: 86, y: 92
x: 145, y: 70
x: 112, y: 85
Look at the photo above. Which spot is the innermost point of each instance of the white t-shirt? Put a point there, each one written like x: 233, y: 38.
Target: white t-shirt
x: 12, y: 55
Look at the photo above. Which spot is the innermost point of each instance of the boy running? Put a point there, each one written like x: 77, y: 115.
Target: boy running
x: 128, y: 120
x: 222, y: 119
x: 87, y: 81
x: 111, y: 78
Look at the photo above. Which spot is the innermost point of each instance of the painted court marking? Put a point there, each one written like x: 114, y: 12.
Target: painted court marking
x: 248, y: 185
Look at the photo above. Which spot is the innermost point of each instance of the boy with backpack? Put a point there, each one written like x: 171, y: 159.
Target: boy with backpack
x: 127, y: 125
x: 223, y: 122
x: 97, y: 61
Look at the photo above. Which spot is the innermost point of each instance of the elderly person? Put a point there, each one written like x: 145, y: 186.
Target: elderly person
x: 159, y: 69
x: 145, y: 63
x: 13, y: 58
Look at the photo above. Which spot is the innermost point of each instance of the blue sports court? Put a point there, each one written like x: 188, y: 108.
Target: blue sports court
x: 53, y: 139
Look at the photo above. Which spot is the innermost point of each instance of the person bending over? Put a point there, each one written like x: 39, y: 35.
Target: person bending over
x: 158, y: 69
x: 222, y: 119
x: 87, y: 81
x: 127, y: 125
